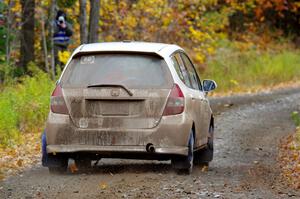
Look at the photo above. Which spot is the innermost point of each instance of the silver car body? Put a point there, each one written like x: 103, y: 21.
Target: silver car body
x: 169, y: 136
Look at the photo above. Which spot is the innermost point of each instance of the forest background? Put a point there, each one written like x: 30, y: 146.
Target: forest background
x: 245, y: 46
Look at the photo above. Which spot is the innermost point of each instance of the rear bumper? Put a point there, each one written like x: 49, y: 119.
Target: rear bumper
x: 168, y: 136
x: 116, y: 149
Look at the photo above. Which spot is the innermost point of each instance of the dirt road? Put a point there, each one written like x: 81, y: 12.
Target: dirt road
x: 248, y: 131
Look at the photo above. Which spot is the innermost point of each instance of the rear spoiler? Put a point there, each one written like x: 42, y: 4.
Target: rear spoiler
x: 81, y: 53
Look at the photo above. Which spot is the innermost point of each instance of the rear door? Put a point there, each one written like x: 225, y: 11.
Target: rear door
x: 116, y: 91
x: 200, y: 102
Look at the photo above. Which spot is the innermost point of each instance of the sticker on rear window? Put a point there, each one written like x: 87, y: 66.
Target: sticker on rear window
x: 87, y: 60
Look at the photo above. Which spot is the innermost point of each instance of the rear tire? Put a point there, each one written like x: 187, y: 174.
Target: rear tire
x: 83, y: 164
x: 60, y: 166
x: 184, y: 165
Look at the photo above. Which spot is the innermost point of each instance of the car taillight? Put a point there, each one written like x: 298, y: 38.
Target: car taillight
x: 57, y: 102
x: 175, y: 103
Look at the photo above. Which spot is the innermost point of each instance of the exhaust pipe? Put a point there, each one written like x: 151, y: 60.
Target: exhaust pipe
x: 150, y: 148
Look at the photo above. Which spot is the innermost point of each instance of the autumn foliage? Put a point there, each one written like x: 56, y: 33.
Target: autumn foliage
x: 198, y: 26
x: 290, y: 159
x: 290, y: 155
x: 229, y: 40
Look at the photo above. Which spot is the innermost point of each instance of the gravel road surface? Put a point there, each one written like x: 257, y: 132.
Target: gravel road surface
x: 248, y: 131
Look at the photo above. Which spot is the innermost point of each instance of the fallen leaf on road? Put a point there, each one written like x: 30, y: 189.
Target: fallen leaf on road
x: 289, y: 158
x: 15, y: 158
x: 73, y: 167
x: 228, y: 105
x: 20, y: 162
x: 103, y: 185
x: 204, y: 168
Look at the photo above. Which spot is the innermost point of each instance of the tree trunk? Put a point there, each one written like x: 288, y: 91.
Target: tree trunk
x: 27, y: 33
x: 83, y: 22
x: 44, y: 40
x: 52, y: 16
x: 94, y: 21
x: 8, y: 27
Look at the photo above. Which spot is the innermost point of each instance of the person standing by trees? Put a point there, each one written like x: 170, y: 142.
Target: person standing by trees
x: 61, y: 35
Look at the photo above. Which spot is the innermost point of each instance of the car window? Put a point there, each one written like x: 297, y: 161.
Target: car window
x: 177, y: 67
x: 184, y: 71
x: 196, y: 84
x: 128, y: 69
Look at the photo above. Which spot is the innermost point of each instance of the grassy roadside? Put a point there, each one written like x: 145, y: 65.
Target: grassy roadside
x: 23, y: 110
x: 289, y: 155
x: 24, y: 106
x: 251, y: 70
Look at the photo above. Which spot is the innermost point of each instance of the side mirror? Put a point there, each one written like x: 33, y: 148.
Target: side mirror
x: 209, y: 85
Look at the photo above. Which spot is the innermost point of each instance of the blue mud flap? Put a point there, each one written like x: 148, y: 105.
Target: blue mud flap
x: 44, y: 150
x: 49, y: 160
x: 185, y: 161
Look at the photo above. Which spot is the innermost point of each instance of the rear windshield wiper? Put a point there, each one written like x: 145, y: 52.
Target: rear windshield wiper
x: 111, y: 85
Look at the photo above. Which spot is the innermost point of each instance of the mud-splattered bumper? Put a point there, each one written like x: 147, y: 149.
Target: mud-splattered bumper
x: 170, y: 136
x: 116, y: 149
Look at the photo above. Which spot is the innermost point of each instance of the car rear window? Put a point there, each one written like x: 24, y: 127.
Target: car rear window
x: 130, y: 70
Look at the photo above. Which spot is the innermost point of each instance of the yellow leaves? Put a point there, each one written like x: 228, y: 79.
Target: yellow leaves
x: 234, y: 82
x: 20, y: 162
x: 210, y: 50
x: 17, y: 8
x: 290, y: 159
x: 166, y: 20
x: 200, y: 58
x: 130, y: 21
x: 13, y: 159
x: 185, y: 22
x: 103, y: 185
x: 109, y: 38
x: 63, y: 56
x: 199, y: 35
x: 243, y: 46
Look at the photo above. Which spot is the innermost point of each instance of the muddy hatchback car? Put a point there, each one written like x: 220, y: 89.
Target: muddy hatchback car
x: 131, y: 100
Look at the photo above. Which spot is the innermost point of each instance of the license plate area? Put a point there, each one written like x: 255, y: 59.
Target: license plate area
x: 96, y: 138
x: 105, y: 138
x: 107, y: 108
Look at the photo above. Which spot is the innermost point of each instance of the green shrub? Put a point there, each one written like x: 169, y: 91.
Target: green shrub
x: 9, y: 118
x: 296, y: 118
x: 236, y: 70
x: 24, y: 104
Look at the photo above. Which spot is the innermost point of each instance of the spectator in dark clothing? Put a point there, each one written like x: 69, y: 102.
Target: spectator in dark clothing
x: 61, y: 35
